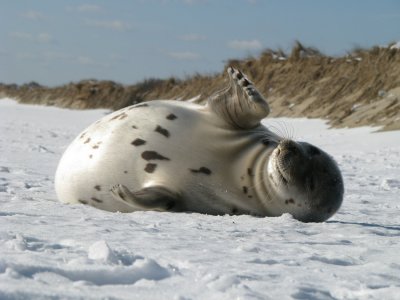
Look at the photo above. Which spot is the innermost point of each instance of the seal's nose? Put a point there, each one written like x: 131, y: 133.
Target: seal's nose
x: 288, y: 145
x: 287, y: 148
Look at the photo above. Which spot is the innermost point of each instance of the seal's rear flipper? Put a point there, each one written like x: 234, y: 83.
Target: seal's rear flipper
x: 240, y: 104
x: 153, y: 198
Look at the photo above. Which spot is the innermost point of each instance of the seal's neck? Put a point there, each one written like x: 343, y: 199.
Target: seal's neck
x: 260, y: 181
x: 251, y: 170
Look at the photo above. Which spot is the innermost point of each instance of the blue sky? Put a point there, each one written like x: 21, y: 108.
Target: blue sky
x: 56, y: 42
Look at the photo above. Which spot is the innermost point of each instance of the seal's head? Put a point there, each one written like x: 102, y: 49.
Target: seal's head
x: 305, y: 180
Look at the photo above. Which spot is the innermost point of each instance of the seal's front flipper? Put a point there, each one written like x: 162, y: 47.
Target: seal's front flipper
x: 151, y: 198
x: 240, y: 104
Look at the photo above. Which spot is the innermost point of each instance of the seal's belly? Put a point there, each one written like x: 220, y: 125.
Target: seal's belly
x: 145, y: 145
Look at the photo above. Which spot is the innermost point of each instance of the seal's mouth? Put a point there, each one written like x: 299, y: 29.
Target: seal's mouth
x: 280, y: 170
x: 287, y: 155
x: 287, y: 163
x: 280, y: 173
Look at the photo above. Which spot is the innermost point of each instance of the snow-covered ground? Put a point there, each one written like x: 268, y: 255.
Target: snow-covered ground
x: 49, y: 250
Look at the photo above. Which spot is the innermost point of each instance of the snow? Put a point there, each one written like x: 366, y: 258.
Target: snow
x: 49, y: 250
x: 395, y: 46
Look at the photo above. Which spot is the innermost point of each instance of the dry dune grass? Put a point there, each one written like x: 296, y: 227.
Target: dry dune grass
x: 361, y: 88
x: 358, y: 89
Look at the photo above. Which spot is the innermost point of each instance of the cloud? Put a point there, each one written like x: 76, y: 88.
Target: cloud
x: 26, y: 56
x: 38, y: 38
x: 85, y: 8
x: 245, y: 44
x: 69, y: 58
x: 44, y: 38
x: 184, y: 55
x: 56, y: 55
x: 88, y: 61
x: 33, y: 15
x: 191, y: 2
x: 192, y: 37
x: 21, y: 36
x: 4, y: 52
x: 88, y: 8
x: 113, y: 25
x: 84, y: 60
x: 117, y: 58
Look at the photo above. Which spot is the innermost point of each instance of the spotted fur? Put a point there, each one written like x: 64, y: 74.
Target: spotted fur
x: 153, y: 155
x: 171, y: 117
x: 162, y: 131
x: 150, y: 168
x: 138, y: 142
x: 202, y: 170
x: 141, y: 105
x: 96, y: 200
x: 289, y: 201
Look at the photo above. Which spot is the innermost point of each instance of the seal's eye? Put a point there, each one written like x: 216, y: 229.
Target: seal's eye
x: 314, y: 151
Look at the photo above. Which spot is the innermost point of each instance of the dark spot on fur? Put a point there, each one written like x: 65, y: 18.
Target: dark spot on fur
x: 138, y: 142
x: 83, y: 135
x: 119, y: 116
x: 91, y: 156
x: 312, y: 186
x: 162, y: 131
x: 250, y: 172
x: 121, y: 195
x: 311, y: 183
x: 245, y: 83
x: 266, y: 142
x: 96, y: 200
x: 122, y: 116
x: 241, y: 177
x: 82, y: 201
x: 87, y: 141
x: 115, y: 117
x: 141, y: 105
x: 249, y: 196
x: 171, y: 117
x: 126, y: 172
x: 289, y: 201
x: 245, y: 189
x: 97, y: 187
x: 150, y: 168
x: 153, y: 155
x: 203, y: 170
x: 170, y: 205
x: 314, y: 151
x: 299, y: 205
x: 95, y: 147
x: 134, y: 127
x: 239, y: 75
